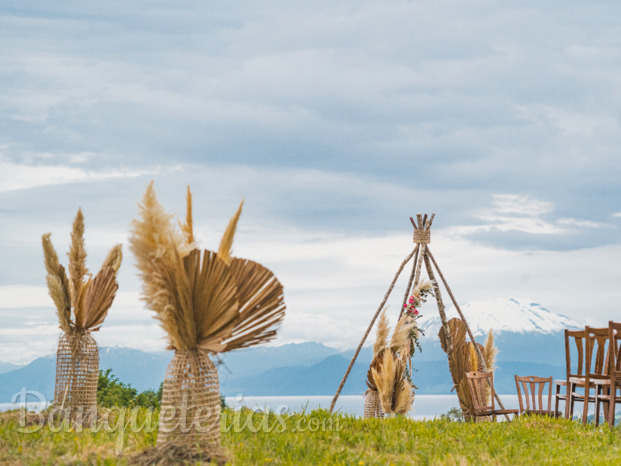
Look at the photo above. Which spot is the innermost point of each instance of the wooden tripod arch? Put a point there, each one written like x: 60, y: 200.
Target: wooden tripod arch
x: 422, y: 255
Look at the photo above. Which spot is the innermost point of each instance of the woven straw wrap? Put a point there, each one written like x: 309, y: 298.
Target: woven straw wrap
x: 77, y: 372
x: 422, y: 236
x: 372, y: 405
x: 190, y: 413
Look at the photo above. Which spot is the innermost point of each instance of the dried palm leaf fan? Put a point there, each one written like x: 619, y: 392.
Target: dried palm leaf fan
x: 206, y: 302
x: 82, y: 303
x: 465, y: 360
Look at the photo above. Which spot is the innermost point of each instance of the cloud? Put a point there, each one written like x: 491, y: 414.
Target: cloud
x: 336, y: 122
x: 15, y: 176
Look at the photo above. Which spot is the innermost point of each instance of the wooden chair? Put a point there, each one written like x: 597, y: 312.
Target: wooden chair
x: 481, y: 385
x: 560, y: 396
x: 607, y: 393
x: 530, y: 391
x: 596, y: 374
x: 574, y: 376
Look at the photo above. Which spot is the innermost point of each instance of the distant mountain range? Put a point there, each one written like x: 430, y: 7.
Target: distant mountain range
x: 529, y: 338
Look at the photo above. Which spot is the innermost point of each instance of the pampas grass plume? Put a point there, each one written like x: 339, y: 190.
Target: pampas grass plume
x: 404, y: 398
x: 63, y: 305
x: 473, y: 360
x: 400, y: 336
x: 382, y: 334
x: 114, y: 258
x: 49, y: 253
x: 77, y: 262
x: 385, y: 381
x: 490, y: 352
x: 187, y: 228
x: 226, y: 244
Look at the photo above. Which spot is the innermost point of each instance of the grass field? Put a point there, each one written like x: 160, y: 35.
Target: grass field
x: 320, y: 438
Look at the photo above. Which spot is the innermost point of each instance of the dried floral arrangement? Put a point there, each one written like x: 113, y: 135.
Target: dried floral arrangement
x: 207, y: 302
x: 386, y: 380
x: 389, y: 378
x: 82, y: 303
x: 465, y: 360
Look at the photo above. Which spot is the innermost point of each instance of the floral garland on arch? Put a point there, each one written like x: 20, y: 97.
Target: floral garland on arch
x: 420, y: 294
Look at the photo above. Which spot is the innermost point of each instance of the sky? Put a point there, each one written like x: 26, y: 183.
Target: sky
x: 335, y: 122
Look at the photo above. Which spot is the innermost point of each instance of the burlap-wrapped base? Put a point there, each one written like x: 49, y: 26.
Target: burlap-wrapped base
x: 77, y: 374
x: 372, y: 405
x: 190, y: 412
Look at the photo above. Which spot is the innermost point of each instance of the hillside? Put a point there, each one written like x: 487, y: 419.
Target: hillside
x: 528, y: 336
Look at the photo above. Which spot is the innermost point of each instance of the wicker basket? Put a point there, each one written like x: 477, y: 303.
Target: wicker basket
x: 372, y: 405
x: 190, y: 413
x: 77, y: 373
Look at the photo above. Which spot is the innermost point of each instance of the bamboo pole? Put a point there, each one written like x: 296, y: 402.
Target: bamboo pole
x: 438, y: 296
x: 366, y: 334
x: 410, y: 281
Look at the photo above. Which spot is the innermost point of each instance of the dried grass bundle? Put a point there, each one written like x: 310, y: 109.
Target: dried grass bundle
x: 387, y: 372
x: 81, y: 302
x: 205, y: 300
x: 395, y: 393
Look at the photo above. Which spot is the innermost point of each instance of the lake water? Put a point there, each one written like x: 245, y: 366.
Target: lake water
x: 425, y: 406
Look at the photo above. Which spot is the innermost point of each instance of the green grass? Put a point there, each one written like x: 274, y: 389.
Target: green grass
x: 321, y: 438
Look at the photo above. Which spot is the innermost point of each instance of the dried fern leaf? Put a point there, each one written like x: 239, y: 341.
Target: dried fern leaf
x: 261, y: 304
x: 77, y: 260
x: 98, y: 298
x: 224, y: 251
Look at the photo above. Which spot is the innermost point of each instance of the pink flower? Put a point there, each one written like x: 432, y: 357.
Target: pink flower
x: 415, y: 312
x: 411, y: 299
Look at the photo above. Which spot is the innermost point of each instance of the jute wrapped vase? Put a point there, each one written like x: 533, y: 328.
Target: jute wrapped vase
x: 372, y: 405
x: 77, y: 373
x: 190, y: 412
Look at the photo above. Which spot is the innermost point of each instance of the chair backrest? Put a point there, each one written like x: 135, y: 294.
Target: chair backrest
x: 481, y: 386
x: 614, y: 350
x: 597, y: 353
x: 533, y: 388
x: 578, y: 337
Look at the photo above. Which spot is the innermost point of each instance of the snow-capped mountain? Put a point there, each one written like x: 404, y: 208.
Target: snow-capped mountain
x: 514, y: 315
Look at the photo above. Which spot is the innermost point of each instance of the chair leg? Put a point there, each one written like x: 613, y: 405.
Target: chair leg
x: 597, y: 401
x: 610, y: 417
